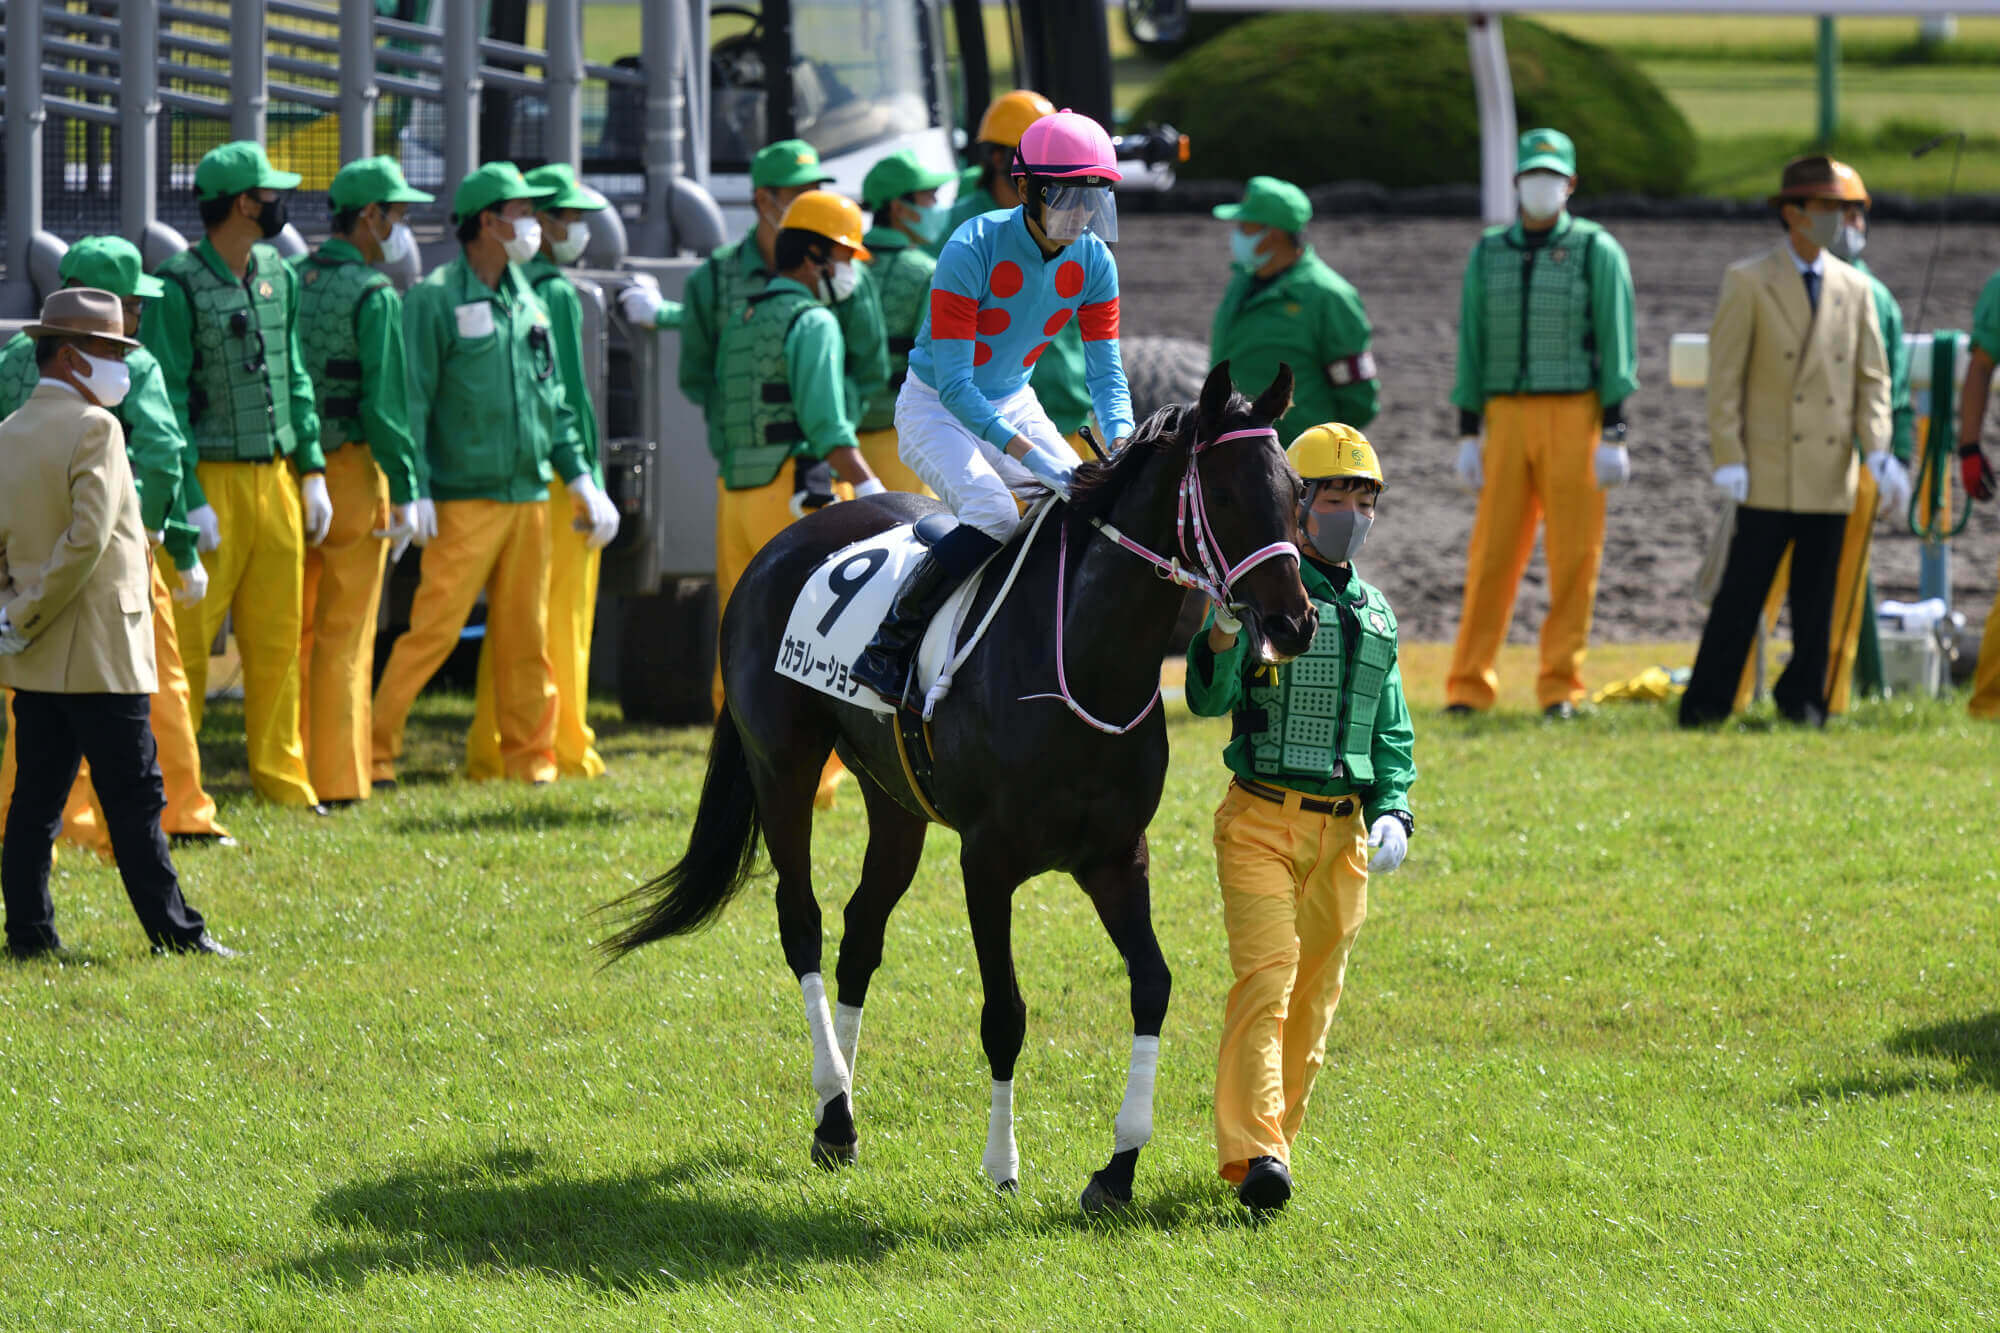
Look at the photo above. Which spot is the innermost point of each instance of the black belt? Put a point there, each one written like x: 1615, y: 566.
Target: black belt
x: 1342, y: 805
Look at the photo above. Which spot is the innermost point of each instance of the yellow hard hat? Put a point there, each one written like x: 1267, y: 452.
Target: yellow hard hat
x: 827, y: 214
x: 1009, y: 117
x: 1849, y: 189
x: 1332, y: 451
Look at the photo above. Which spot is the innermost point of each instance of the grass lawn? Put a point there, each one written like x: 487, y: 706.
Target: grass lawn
x: 1652, y: 1030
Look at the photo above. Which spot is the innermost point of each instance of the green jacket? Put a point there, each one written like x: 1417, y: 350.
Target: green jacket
x: 153, y: 440
x: 373, y: 394
x: 487, y: 409
x: 558, y: 293
x: 1902, y: 414
x: 1606, y: 350
x: 1310, y: 317
x: 902, y: 273
x: 1222, y: 683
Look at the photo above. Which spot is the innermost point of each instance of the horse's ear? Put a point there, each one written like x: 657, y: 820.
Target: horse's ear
x: 1275, y: 401
x: 1215, y: 397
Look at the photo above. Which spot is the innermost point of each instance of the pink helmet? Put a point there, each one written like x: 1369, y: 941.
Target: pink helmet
x: 1066, y: 145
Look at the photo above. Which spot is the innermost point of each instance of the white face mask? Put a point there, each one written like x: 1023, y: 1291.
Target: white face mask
x: 571, y: 247
x: 845, y: 280
x: 108, y: 381
x: 1850, y: 243
x: 527, y: 240
x: 398, y: 244
x: 1542, y: 194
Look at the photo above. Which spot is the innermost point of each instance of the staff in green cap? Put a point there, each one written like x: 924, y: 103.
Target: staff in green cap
x: 154, y: 445
x: 575, y: 549
x: 226, y: 334
x: 1285, y: 305
x: 351, y: 324
x: 490, y: 420
x: 1546, y: 360
x: 901, y: 193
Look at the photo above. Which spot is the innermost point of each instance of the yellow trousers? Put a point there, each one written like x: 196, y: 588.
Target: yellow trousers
x: 256, y: 576
x: 879, y: 449
x: 1294, y: 894
x: 343, y: 591
x: 1849, y: 602
x: 503, y: 549
x: 1985, y: 701
x: 1541, y: 468
x: 190, y: 809
x: 572, y: 618
x: 744, y: 521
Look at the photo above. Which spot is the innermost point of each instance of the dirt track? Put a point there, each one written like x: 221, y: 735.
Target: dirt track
x: 1173, y: 270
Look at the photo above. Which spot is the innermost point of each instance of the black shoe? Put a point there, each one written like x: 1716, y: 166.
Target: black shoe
x: 27, y: 953
x: 1804, y: 715
x: 341, y: 802
x: 384, y: 784
x: 884, y: 665
x: 320, y: 809
x: 1459, y: 710
x: 181, y: 841
x: 202, y: 943
x: 1266, y: 1185
x: 1561, y: 711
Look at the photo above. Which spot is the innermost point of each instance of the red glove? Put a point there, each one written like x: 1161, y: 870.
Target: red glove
x: 1976, y: 471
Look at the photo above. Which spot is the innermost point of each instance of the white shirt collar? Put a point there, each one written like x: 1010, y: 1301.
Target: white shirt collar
x: 1817, y: 267
x: 64, y: 385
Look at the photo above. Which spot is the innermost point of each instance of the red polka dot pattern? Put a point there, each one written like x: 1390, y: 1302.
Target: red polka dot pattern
x: 981, y: 353
x: 1005, y: 280
x: 993, y: 320
x: 1034, y: 355
x: 1069, y: 279
x: 1056, y: 322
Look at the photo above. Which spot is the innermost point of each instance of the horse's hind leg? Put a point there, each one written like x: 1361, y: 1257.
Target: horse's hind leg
x: 1122, y: 894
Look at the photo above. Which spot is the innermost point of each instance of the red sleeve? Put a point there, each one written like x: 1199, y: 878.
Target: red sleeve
x: 956, y: 316
x: 1098, y: 320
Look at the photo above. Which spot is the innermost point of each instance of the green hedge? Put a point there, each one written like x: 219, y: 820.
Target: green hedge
x: 1315, y: 98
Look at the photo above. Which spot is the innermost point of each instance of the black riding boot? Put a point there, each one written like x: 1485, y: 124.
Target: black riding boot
x: 884, y: 664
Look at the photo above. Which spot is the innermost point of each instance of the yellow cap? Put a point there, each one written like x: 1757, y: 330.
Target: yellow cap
x: 827, y: 214
x: 1009, y: 117
x: 1333, y: 451
x: 1848, y: 182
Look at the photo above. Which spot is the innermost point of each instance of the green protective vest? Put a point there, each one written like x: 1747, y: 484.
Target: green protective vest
x: 1539, y: 336
x: 239, y: 393
x: 330, y: 294
x: 760, y: 422
x: 903, y: 279
x: 1319, y: 717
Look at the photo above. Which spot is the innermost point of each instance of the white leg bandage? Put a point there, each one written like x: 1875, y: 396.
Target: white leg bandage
x: 1134, y: 1125
x: 829, y: 1070
x: 1002, y: 1163
x: 847, y: 1034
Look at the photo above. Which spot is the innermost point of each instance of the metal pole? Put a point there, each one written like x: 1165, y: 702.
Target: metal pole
x: 661, y: 52
x: 359, y: 96
x: 249, y: 98
x: 565, y: 81
x: 138, y: 119
x: 1829, y: 81
x: 25, y: 116
x: 461, y: 91
x: 1493, y: 88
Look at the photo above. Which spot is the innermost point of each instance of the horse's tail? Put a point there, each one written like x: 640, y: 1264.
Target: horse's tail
x: 721, y: 852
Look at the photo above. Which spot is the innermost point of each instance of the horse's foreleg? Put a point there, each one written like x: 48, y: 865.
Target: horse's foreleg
x: 1122, y: 895
x: 1003, y: 1019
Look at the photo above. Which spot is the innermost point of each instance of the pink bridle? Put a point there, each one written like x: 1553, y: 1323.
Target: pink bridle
x: 1216, y: 578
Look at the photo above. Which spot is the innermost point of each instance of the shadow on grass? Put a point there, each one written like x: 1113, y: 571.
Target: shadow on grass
x: 509, y: 819
x: 707, y: 1216
x: 1972, y: 1044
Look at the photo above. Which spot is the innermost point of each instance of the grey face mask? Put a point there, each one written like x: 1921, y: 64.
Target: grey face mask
x: 1337, y: 538
x: 1823, y: 228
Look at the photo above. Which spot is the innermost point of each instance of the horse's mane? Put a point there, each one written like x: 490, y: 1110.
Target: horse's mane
x: 1096, y: 484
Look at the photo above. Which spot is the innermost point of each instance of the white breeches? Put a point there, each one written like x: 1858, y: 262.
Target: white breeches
x: 975, y: 478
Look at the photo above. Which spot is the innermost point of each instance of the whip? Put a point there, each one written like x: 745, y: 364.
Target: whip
x: 1957, y: 137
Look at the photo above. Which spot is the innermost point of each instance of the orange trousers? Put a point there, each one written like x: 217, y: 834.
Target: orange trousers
x: 1849, y: 602
x: 343, y: 591
x: 1985, y: 701
x: 1540, y: 461
x: 502, y: 549
x: 1294, y: 895
x: 572, y: 618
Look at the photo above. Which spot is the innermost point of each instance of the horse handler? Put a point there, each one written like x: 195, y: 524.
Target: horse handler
x: 1293, y: 833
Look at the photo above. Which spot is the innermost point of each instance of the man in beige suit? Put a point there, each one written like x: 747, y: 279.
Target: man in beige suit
x: 76, y: 640
x: 1797, y: 376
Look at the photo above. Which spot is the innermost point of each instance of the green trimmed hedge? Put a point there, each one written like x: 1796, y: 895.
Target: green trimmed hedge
x: 1315, y: 98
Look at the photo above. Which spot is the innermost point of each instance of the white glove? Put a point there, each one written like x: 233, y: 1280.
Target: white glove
x: 10, y: 642
x: 641, y: 301
x: 402, y: 527
x: 1471, y: 465
x: 424, y: 514
x: 1733, y: 481
x: 1391, y: 844
x: 1048, y: 470
x: 194, y: 585
x: 210, y: 528
x: 1614, y: 465
x: 603, y: 515
x: 1227, y: 623
x: 156, y: 536
x: 872, y: 486
x: 1892, y: 479
x: 316, y: 507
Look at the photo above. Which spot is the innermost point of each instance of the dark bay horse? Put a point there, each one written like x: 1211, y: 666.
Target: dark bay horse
x: 1029, y: 785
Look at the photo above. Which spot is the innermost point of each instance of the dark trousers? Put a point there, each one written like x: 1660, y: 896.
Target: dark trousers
x: 52, y: 733
x: 1761, y: 538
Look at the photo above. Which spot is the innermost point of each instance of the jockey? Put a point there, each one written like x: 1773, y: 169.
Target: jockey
x: 969, y: 424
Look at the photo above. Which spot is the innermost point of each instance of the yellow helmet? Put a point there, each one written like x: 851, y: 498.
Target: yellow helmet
x: 1009, y: 117
x: 1333, y: 451
x: 827, y: 214
x: 1847, y: 184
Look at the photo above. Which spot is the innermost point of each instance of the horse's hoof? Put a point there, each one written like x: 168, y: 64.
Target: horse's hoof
x: 1098, y: 1201
x: 1008, y: 1186
x: 833, y: 1156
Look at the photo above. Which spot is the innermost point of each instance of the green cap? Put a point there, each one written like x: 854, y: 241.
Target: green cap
x: 1273, y: 202
x: 239, y: 166
x: 372, y: 180
x: 569, y: 191
x: 110, y: 263
x: 494, y: 183
x: 1546, y: 150
x: 786, y: 163
x: 898, y: 174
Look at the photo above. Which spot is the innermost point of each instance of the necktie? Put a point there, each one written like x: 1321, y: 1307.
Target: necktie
x: 1812, y: 290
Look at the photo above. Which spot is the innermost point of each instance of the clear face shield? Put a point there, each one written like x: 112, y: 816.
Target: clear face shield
x: 1069, y: 210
